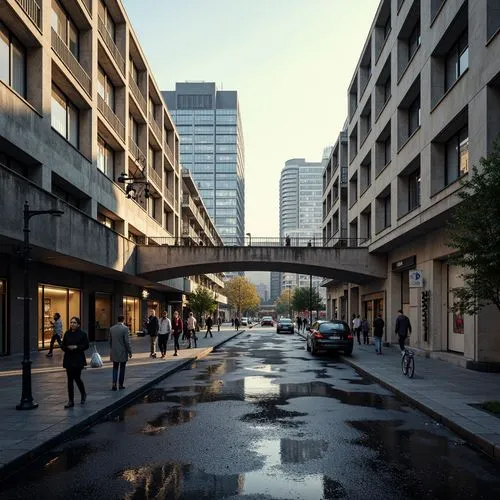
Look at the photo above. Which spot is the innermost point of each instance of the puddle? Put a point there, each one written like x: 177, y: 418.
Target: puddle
x: 175, y: 416
x: 358, y: 381
x: 321, y: 373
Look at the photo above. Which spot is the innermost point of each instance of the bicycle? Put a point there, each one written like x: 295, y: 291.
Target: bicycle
x: 408, y: 363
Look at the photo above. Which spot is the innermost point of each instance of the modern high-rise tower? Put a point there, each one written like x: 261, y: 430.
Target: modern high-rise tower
x: 212, y: 148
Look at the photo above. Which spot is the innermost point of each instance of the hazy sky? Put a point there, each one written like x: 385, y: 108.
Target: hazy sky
x: 291, y: 62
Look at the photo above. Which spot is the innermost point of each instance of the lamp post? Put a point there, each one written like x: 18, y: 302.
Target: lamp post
x: 249, y: 239
x: 310, y: 299
x: 27, y: 402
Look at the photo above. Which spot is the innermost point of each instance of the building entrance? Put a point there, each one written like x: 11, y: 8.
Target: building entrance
x: 455, y: 319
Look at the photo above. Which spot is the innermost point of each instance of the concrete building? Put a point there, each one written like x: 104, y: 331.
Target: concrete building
x: 212, y: 148
x: 83, y: 129
x: 275, y: 285
x: 300, y: 214
x: 424, y: 105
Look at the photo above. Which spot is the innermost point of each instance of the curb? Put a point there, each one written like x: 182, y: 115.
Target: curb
x: 31, y: 455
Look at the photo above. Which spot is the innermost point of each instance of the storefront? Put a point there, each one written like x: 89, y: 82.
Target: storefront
x: 132, y: 313
x: 455, y: 318
x: 372, y: 306
x: 103, y: 306
x: 52, y: 299
x: 3, y: 317
x: 402, y: 267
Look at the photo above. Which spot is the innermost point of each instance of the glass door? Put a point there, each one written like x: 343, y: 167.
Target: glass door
x: 455, y: 319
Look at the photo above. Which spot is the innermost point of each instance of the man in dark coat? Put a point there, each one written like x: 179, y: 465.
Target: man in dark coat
x: 378, y: 332
x: 153, y: 327
x: 208, y: 323
x: 403, y: 329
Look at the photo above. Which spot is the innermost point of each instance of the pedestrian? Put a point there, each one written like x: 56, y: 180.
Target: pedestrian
x: 378, y: 332
x: 163, y: 333
x: 403, y: 329
x: 57, y: 328
x: 304, y: 324
x: 191, y: 329
x: 120, y: 351
x: 365, y: 329
x: 153, y: 326
x: 287, y: 241
x: 208, y: 324
x: 299, y: 323
x: 219, y: 323
x: 356, y: 326
x: 237, y: 323
x: 74, y: 344
x: 232, y: 321
x: 177, y: 329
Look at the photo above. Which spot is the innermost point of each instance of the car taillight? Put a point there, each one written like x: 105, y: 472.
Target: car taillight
x: 317, y: 335
x: 350, y: 337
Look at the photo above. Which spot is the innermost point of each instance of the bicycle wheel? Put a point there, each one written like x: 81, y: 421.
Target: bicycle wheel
x: 410, y: 367
x: 404, y: 364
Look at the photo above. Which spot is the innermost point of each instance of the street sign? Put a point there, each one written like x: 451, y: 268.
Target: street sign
x: 416, y: 278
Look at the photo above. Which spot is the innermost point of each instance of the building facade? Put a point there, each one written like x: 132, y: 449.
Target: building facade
x: 84, y: 130
x: 212, y: 148
x: 300, y: 213
x: 424, y: 106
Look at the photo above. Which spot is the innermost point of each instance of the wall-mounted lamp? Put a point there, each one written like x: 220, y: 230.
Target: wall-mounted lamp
x: 145, y: 294
x: 130, y: 188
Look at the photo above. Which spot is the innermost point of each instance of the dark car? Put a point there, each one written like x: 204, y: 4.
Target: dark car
x: 332, y: 335
x: 267, y: 321
x: 285, y: 325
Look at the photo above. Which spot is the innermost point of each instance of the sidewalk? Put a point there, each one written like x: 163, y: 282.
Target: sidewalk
x: 26, y: 434
x: 440, y: 389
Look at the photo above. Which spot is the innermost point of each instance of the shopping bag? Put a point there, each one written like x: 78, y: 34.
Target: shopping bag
x: 96, y: 360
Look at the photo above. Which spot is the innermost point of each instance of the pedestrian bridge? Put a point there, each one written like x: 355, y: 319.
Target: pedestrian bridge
x: 353, y: 265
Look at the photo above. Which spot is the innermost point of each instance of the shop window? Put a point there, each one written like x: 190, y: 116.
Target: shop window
x: 132, y: 313
x: 3, y: 317
x: 52, y: 299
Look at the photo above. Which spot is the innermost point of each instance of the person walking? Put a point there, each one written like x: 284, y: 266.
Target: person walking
x: 237, y: 323
x: 208, y: 324
x: 219, y: 323
x: 299, y: 323
x: 191, y: 329
x: 365, y: 329
x: 177, y: 330
x: 153, y: 327
x: 304, y: 324
x: 378, y: 332
x: 120, y: 351
x: 57, y: 331
x: 163, y: 333
x: 356, y: 326
x: 74, y: 344
x: 403, y: 329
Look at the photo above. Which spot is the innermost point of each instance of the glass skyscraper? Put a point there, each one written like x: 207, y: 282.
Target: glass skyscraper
x: 212, y: 148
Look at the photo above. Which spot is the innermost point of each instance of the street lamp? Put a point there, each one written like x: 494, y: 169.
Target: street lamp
x: 310, y: 299
x: 27, y: 402
x: 130, y: 189
x: 249, y: 239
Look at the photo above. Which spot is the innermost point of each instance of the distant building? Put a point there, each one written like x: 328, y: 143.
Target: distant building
x: 263, y: 291
x: 275, y: 285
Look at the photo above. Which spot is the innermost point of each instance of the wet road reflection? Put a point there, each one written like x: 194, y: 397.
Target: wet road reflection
x: 258, y: 420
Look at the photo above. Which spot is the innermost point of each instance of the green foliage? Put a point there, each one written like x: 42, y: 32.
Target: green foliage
x: 202, y: 301
x: 302, y: 300
x: 474, y: 232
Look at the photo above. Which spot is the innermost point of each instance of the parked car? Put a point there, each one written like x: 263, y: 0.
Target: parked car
x: 244, y: 321
x: 267, y: 321
x: 285, y: 325
x: 332, y: 335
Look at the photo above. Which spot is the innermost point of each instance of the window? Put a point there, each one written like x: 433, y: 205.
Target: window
x: 64, y: 117
x: 12, y: 61
x: 414, y: 116
x: 414, y: 40
x: 457, y: 60
x: 387, y: 151
x: 457, y: 156
x: 134, y: 130
x: 386, y: 211
x: 414, y: 190
x: 66, y: 29
x: 105, y: 158
x: 106, y: 89
x: 387, y: 89
x: 105, y: 220
x: 106, y: 18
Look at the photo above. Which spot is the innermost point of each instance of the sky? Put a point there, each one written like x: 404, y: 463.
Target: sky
x: 291, y: 62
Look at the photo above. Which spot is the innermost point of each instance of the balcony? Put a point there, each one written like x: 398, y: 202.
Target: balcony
x: 168, y: 151
x: 169, y: 195
x: 111, y: 117
x: 139, y: 98
x: 110, y: 43
x: 70, y: 61
x: 135, y: 151
x: 188, y: 231
x: 32, y: 10
x: 188, y: 202
x: 154, y: 125
x: 154, y: 177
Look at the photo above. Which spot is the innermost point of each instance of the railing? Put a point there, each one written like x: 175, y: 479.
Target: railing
x: 169, y: 195
x: 168, y: 151
x: 154, y: 125
x: 111, y: 117
x: 187, y: 201
x: 188, y: 231
x: 70, y: 61
x: 138, y: 96
x: 110, y: 43
x: 88, y: 6
x: 343, y: 175
x: 32, y: 10
x: 154, y: 176
x: 135, y: 151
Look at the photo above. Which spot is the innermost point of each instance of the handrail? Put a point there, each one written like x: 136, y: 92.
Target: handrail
x: 110, y: 43
x: 169, y: 195
x: 88, y: 6
x: 154, y: 176
x: 111, y: 117
x: 71, y: 62
x: 136, y: 152
x: 138, y: 96
x: 32, y: 10
x: 154, y: 125
x: 168, y: 151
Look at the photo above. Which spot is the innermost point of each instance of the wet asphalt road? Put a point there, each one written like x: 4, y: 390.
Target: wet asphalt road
x: 262, y: 419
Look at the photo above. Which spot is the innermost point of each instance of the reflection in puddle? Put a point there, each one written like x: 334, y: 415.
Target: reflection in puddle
x: 358, y: 381
x: 175, y: 416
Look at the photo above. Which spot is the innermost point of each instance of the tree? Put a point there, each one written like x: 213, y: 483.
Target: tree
x: 284, y: 303
x: 301, y: 300
x: 241, y: 294
x: 202, y: 301
x: 474, y: 232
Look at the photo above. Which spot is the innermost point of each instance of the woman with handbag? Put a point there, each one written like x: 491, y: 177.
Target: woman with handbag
x: 75, y: 343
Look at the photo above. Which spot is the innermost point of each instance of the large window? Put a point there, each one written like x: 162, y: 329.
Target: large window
x: 414, y: 40
x: 65, y: 28
x: 64, y: 117
x: 457, y: 156
x: 106, y: 89
x: 106, y: 18
x: 457, y: 60
x: 414, y: 116
x: 105, y: 158
x: 414, y: 190
x: 12, y: 61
